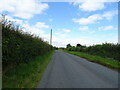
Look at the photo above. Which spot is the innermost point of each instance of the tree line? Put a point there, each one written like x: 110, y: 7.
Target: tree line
x: 20, y: 47
x: 107, y: 50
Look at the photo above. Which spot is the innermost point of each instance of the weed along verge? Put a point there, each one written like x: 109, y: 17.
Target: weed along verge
x: 27, y: 75
x: 113, y: 64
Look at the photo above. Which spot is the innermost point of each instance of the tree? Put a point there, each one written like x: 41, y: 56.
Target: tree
x: 78, y: 45
x: 68, y: 45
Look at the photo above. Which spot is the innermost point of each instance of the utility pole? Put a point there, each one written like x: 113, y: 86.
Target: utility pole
x: 51, y: 37
x: 3, y: 16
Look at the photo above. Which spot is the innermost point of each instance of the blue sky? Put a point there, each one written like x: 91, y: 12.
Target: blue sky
x: 84, y: 22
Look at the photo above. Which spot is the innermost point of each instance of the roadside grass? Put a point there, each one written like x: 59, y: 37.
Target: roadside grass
x: 26, y: 75
x: 114, y: 64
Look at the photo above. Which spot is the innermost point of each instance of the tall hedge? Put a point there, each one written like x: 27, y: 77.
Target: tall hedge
x: 20, y: 47
x: 107, y: 50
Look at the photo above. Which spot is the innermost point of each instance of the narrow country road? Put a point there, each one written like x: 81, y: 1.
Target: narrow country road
x: 70, y: 71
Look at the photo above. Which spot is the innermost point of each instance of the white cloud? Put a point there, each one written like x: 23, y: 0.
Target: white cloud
x: 66, y: 30
x: 59, y: 39
x: 91, y: 32
x: 96, y: 17
x: 109, y: 14
x: 89, y: 20
x: 57, y: 33
x: 94, y: 5
x: 88, y: 5
x: 23, y: 8
x: 84, y: 28
x: 41, y: 25
x: 17, y: 21
x: 37, y: 29
x: 63, y: 41
x: 32, y: 29
x: 106, y: 28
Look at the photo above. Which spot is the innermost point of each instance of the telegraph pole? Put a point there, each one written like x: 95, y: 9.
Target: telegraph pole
x: 51, y: 37
x: 3, y: 16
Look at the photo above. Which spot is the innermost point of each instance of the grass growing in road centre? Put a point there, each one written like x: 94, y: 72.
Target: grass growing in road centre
x: 104, y: 61
x: 26, y: 75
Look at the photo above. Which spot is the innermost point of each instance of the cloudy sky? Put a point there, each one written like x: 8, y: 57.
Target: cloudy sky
x: 74, y: 22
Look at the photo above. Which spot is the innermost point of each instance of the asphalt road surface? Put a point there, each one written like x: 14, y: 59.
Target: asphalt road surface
x: 70, y: 71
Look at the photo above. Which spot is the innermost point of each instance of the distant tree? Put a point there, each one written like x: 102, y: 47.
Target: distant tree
x: 68, y: 45
x: 78, y: 45
x: 56, y: 48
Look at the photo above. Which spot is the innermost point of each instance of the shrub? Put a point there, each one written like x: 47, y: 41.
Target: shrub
x: 20, y: 47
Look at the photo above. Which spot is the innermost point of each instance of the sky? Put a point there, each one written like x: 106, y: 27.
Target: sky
x: 85, y: 22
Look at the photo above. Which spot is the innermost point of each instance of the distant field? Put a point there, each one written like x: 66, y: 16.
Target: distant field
x: 114, y: 64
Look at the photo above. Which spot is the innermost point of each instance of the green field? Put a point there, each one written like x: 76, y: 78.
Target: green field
x: 114, y: 64
x: 26, y: 75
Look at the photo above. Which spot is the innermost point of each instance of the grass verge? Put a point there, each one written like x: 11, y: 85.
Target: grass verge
x: 113, y: 64
x: 27, y: 75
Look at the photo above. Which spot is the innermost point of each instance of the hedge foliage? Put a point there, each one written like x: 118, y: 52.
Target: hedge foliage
x: 107, y: 50
x: 20, y: 47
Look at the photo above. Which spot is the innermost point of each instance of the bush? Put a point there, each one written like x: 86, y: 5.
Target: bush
x: 107, y: 50
x: 20, y: 47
